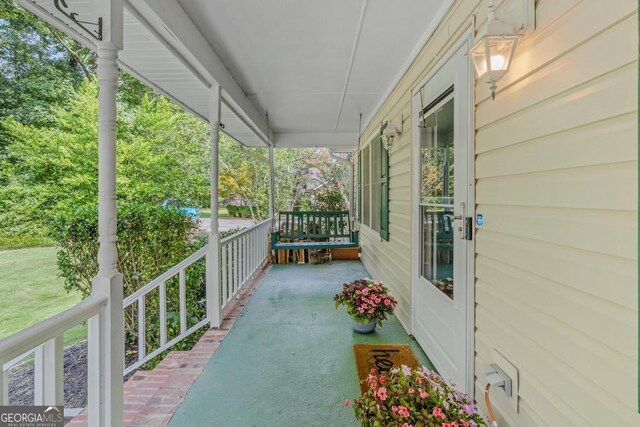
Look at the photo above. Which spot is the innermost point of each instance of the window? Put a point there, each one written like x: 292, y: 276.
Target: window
x: 374, y: 172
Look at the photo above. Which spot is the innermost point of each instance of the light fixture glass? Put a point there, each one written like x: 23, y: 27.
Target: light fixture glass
x: 492, y: 55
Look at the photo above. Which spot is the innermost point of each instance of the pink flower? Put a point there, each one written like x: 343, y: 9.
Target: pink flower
x: 394, y: 408
x: 446, y: 425
x: 406, y: 370
x: 403, y: 411
x: 387, y: 302
x: 412, y: 390
x: 423, y: 394
x: 346, y: 403
x: 381, y: 393
x: 361, y: 310
x: 437, y: 412
x: 407, y: 425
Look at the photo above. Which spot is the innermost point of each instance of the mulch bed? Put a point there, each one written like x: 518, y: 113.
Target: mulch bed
x: 75, y: 378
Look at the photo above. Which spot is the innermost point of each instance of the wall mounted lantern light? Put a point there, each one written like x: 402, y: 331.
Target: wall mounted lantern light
x: 391, y: 132
x: 492, y: 55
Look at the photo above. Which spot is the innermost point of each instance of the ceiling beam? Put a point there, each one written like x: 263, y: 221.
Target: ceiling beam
x: 170, y: 21
x: 319, y: 140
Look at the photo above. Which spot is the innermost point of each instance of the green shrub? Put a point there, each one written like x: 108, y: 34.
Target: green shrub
x: 227, y: 233
x: 244, y: 211
x: 151, y: 239
x: 19, y: 242
x: 233, y: 210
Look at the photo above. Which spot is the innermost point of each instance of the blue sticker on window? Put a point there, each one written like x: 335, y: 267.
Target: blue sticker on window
x: 479, y: 220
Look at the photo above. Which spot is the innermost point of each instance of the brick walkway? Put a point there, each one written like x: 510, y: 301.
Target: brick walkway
x: 151, y: 397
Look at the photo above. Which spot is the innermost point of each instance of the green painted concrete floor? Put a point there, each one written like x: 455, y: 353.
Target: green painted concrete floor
x: 288, y: 360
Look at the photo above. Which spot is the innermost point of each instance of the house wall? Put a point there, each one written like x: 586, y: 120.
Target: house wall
x: 556, y: 179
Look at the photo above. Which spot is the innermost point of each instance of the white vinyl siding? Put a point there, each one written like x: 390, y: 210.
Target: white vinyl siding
x: 556, y: 179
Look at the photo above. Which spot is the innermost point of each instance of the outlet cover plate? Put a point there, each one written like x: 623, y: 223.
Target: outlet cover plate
x: 512, y: 372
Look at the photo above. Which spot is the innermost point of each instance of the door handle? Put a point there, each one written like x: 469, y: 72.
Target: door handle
x: 463, y: 210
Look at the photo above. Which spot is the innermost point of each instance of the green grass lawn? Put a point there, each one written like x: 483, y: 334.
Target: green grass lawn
x: 206, y: 213
x: 30, y: 291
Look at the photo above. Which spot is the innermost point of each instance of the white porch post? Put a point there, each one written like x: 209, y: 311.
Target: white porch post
x: 272, y: 182
x: 213, y: 256
x: 106, y: 332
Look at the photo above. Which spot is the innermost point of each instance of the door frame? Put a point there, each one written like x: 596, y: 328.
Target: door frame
x: 465, y: 39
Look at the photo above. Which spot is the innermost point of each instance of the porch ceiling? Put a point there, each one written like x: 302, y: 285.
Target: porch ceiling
x: 314, y: 66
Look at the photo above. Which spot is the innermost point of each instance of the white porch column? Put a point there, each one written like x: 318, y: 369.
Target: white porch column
x: 272, y: 182
x: 106, y: 332
x: 213, y: 256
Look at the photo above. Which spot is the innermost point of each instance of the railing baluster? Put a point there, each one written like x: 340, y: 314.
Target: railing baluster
x: 243, y: 257
x: 38, y: 376
x: 163, y: 313
x: 254, y: 258
x: 49, y: 373
x: 4, y: 386
x: 224, y: 284
x: 239, y: 261
x: 182, y: 279
x: 142, y: 346
x: 236, y: 267
x: 249, y: 253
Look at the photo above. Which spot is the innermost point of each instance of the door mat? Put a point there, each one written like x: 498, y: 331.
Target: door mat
x: 381, y: 357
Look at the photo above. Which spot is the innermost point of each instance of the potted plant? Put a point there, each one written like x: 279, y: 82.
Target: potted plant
x: 414, y: 398
x: 368, y: 303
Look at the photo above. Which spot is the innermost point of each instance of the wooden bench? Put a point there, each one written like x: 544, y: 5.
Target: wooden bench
x: 314, y: 230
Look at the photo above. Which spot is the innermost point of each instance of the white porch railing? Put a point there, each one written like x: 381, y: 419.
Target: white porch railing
x: 241, y: 255
x: 44, y: 340
x: 139, y: 297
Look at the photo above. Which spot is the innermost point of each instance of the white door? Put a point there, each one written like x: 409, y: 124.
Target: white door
x: 443, y: 199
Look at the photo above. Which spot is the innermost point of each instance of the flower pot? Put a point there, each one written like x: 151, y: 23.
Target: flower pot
x: 364, y: 328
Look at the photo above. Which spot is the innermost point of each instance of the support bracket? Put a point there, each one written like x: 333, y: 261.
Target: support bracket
x: 61, y: 5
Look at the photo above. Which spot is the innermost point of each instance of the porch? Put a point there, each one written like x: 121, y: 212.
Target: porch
x: 282, y: 355
x: 288, y: 360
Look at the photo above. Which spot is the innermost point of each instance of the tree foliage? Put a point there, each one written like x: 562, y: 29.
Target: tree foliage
x: 38, y: 67
x: 329, y: 200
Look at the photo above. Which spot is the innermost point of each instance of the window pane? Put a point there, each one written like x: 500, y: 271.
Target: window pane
x: 376, y: 180
x: 436, y: 204
x: 366, y: 187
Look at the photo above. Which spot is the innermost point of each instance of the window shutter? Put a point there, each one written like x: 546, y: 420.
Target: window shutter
x: 384, y: 190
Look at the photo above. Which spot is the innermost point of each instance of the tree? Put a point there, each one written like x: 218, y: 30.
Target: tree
x: 162, y: 152
x: 39, y: 66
